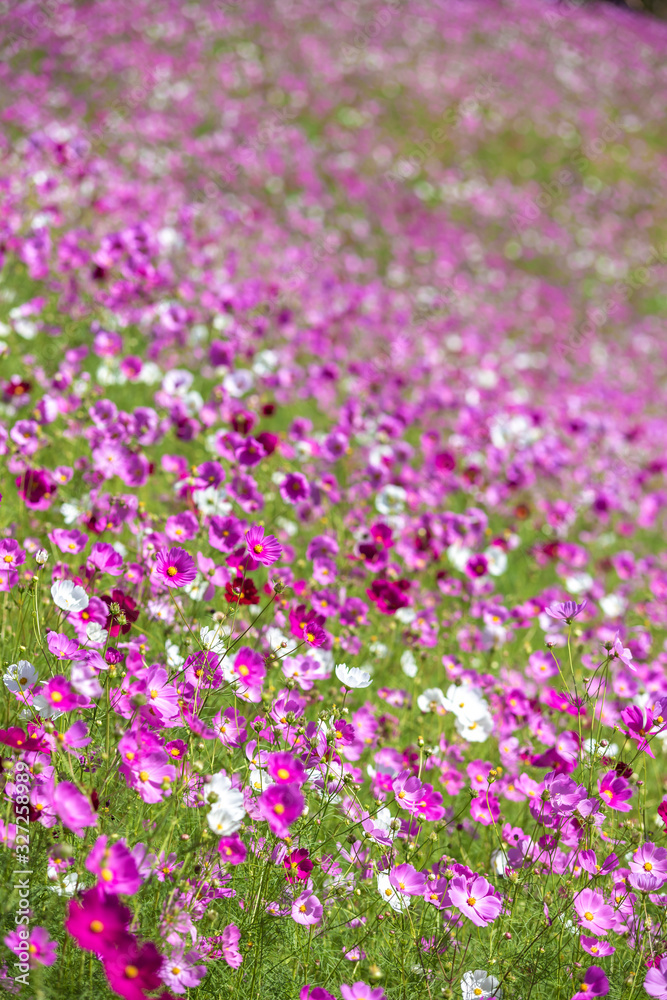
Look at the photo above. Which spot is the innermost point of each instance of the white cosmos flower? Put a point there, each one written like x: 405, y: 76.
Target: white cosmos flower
x: 612, y: 605
x: 396, y: 900
x: 42, y: 707
x: 213, y: 639
x: 174, y: 658
x: 458, y: 555
x: 475, y: 730
x: 95, y: 633
x: 353, y: 677
x: 497, y: 560
x: 238, y: 382
x: 65, y: 885
x: 20, y: 676
x: 478, y: 985
x: 228, y: 811
x: 432, y: 700
x: 409, y: 664
x: 466, y: 702
x: 177, y: 382
x: 578, y: 583
x: 69, y: 596
x: 212, y: 500
x: 391, y: 499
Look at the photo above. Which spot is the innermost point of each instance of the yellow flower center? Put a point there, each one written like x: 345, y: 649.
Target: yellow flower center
x: 96, y: 926
x: 283, y: 773
x: 107, y: 874
x: 171, y: 571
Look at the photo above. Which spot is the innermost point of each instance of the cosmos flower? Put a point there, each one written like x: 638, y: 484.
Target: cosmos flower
x: 175, y: 567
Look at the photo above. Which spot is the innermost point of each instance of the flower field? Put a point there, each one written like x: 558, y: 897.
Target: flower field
x: 333, y: 426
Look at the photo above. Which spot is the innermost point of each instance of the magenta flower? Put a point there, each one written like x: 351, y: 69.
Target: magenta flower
x: 73, y: 808
x: 361, y: 991
x: 309, y: 992
x: 248, y: 668
x: 37, y: 946
x: 595, y: 915
x: 232, y: 850
x: 182, y: 970
x: 405, y: 878
x: 615, y: 791
x: 98, y: 922
x: 294, y: 488
x: 115, y: 866
x: 650, y: 860
x: 230, y: 942
x: 284, y: 768
x: 133, y: 969
x: 63, y: 648
x: 298, y: 865
x: 566, y: 612
x: 655, y: 982
x: 599, y: 949
x: 105, y: 559
x: 181, y: 527
x: 175, y: 567
x: 307, y: 909
x: 595, y: 984
x: 475, y: 898
x: 264, y: 549
x: 59, y: 695
x: 281, y: 805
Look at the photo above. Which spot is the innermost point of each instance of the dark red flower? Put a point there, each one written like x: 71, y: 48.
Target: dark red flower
x: 241, y: 591
x: 122, y: 612
x: 388, y: 595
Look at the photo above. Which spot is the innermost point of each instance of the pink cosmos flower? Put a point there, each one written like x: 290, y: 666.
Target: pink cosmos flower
x: 405, y: 878
x: 475, y: 898
x: 104, y: 558
x: 309, y: 992
x: 567, y: 611
x: 595, y: 915
x: 650, y: 860
x: 182, y: 970
x: 63, y: 648
x: 175, y: 567
x: 615, y: 791
x: 232, y: 850
x: 595, y: 984
x: 248, y: 668
x: 38, y: 946
x: 230, y: 950
x: 133, y: 969
x: 307, y: 909
x: 115, y: 866
x: 284, y: 768
x: 281, y: 805
x: 600, y: 949
x: 655, y: 982
x: 181, y: 527
x: 361, y: 991
x: 298, y: 865
x: 73, y: 808
x: 71, y: 542
x: 264, y: 549
x: 59, y: 695
x: 98, y: 922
